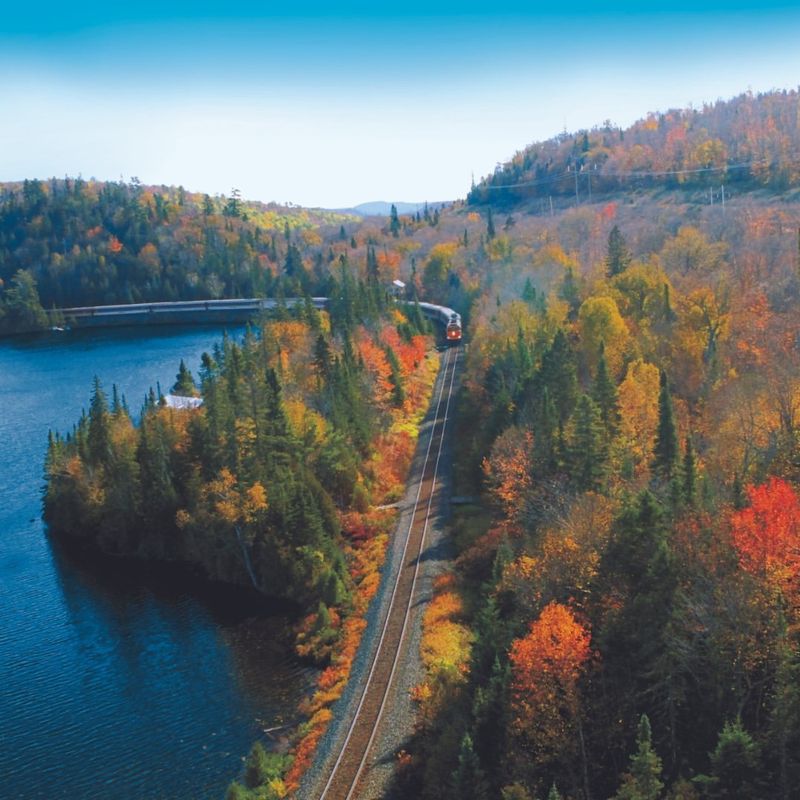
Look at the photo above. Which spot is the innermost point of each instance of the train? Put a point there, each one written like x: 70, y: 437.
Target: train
x: 173, y: 312
x: 449, y: 319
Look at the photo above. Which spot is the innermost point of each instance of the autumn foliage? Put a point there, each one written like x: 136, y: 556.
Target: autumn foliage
x: 546, y: 666
x: 766, y: 534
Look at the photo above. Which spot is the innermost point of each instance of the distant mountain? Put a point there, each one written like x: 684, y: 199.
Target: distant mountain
x: 380, y: 208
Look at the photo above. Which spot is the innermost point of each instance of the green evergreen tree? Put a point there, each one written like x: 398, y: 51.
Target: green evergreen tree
x: 98, y: 438
x: 604, y: 393
x: 554, y: 794
x: 689, y: 474
x: 257, y: 769
x: 184, y: 382
x: 643, y: 779
x: 529, y: 292
x: 559, y: 373
x: 469, y: 779
x: 490, y: 231
x: 569, y: 292
x: 589, y: 450
x: 665, y: 451
x: 394, y: 222
x: 735, y: 766
x: 618, y: 256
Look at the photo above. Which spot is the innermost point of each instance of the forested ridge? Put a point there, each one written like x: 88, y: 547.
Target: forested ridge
x: 73, y: 242
x: 749, y: 142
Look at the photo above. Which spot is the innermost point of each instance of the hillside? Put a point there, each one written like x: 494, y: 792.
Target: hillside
x: 750, y: 141
x: 86, y: 242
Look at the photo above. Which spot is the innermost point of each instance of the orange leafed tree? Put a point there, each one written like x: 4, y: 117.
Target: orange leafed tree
x: 508, y: 468
x: 546, y: 666
x: 766, y: 534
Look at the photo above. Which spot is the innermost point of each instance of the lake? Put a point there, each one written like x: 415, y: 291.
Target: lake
x: 131, y: 683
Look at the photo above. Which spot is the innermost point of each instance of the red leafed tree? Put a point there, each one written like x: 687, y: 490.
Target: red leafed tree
x: 766, y: 534
x: 545, y: 667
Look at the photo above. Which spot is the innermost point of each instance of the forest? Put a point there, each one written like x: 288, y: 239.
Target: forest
x: 620, y: 619
x: 747, y: 143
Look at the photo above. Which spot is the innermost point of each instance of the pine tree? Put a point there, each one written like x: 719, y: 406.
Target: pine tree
x: 469, y: 780
x: 643, y: 779
x: 589, y: 450
x: 569, y: 292
x: 618, y: 256
x: 665, y: 451
x: 257, y: 769
x: 98, y: 438
x: 184, y: 383
x: 559, y: 373
x: 394, y: 221
x: 554, y: 794
x: 689, y: 474
x: 529, y: 292
x: 735, y: 766
x: 604, y: 393
x: 490, y: 231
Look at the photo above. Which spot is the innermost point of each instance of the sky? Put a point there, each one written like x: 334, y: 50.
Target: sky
x: 331, y: 105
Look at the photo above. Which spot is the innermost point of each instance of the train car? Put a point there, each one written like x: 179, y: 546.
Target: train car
x: 453, y: 331
x: 449, y: 319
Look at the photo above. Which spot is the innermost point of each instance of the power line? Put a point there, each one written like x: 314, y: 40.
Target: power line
x: 637, y: 174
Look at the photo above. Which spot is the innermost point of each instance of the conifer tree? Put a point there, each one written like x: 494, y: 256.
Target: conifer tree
x: 394, y: 222
x: 529, y: 292
x: 604, y: 393
x: 554, y: 794
x: 257, y: 769
x: 735, y: 765
x: 618, y: 256
x: 184, y: 383
x: 569, y: 292
x: 98, y: 438
x: 665, y: 451
x: 689, y: 474
x: 490, y: 231
x: 589, y: 450
x: 643, y: 779
x: 469, y: 780
x: 559, y: 373
x: 546, y: 427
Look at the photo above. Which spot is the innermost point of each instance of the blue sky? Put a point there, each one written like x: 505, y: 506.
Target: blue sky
x: 333, y: 106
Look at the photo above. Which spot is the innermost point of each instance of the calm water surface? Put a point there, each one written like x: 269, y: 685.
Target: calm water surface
x: 114, y: 682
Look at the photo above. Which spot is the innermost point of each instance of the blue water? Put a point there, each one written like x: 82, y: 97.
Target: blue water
x: 115, y: 682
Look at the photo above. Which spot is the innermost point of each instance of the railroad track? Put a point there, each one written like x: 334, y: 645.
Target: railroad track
x: 353, y: 759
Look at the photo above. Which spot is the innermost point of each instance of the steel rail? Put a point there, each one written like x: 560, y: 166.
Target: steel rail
x: 451, y: 360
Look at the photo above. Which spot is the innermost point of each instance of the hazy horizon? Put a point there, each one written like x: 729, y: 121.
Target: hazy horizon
x: 336, y: 109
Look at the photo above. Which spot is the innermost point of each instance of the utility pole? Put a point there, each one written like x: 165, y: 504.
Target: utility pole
x: 575, y: 170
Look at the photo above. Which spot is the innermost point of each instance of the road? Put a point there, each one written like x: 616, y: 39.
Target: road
x: 347, y: 764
